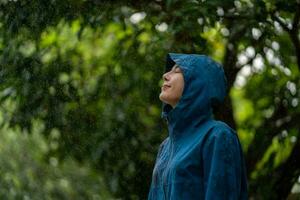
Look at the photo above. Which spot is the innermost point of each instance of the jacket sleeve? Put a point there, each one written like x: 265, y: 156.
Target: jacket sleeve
x: 223, y: 166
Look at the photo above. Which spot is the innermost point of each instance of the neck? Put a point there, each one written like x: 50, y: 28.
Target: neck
x: 181, y: 120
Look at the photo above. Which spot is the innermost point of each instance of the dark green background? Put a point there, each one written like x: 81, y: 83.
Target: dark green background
x: 79, y: 86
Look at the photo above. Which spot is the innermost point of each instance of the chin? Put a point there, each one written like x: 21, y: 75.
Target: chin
x: 163, y: 98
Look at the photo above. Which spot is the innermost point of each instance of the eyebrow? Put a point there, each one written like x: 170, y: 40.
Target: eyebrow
x: 175, y: 66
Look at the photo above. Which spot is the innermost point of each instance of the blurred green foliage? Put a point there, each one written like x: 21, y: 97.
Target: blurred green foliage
x: 89, y: 73
x: 28, y: 173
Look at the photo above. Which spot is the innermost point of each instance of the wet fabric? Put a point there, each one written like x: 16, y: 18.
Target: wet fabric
x: 202, y: 157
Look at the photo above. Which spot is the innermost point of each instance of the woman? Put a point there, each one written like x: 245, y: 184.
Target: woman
x: 201, y: 158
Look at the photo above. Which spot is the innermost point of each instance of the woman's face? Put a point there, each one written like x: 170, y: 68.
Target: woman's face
x: 173, y: 85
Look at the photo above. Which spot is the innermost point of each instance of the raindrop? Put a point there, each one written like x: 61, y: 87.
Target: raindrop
x: 230, y: 46
x: 270, y: 54
x: 225, y: 32
x: 287, y: 71
x: 292, y: 87
x: 274, y: 72
x: 295, y: 102
x: 250, y: 52
x: 200, y: 20
x: 137, y: 17
x: 275, y: 45
x: 53, y: 161
x: 284, y: 133
x: 240, y: 81
x: 258, y: 64
x: 220, y: 11
x: 238, y: 4
x: 162, y: 27
x: 246, y: 70
x: 278, y: 27
x: 256, y: 33
x: 293, y: 140
x: 277, y: 100
x: 242, y: 59
x: 285, y: 103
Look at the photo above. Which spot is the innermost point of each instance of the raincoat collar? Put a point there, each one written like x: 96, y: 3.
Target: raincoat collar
x: 205, y: 86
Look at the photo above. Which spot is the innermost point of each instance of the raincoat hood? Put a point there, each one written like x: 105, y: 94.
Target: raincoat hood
x: 205, y: 86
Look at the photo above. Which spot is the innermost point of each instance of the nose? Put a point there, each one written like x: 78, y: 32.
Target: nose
x: 166, y: 76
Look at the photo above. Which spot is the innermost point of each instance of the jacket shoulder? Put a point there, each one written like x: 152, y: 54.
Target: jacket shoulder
x: 221, y: 126
x: 222, y: 136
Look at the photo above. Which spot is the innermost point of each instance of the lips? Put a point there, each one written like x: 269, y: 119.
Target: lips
x: 165, y: 86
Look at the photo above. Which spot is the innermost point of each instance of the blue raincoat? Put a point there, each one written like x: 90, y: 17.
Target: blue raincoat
x: 201, y: 158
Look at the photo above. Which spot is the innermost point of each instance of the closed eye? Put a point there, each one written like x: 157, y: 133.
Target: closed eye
x: 177, y: 69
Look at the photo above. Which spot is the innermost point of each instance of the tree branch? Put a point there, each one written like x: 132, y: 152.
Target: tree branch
x: 281, y: 22
x: 293, y: 32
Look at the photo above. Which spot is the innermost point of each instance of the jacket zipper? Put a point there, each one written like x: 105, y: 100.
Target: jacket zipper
x: 165, y: 178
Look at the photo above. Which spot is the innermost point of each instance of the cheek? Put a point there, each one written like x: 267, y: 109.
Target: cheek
x: 168, y: 94
x: 173, y: 93
x: 178, y: 89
